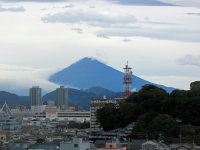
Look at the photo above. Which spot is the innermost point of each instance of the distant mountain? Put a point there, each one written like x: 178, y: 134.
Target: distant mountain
x: 83, y: 97
x: 142, y: 2
x: 13, y: 99
x: 99, y: 91
x: 89, y: 72
x: 76, y: 97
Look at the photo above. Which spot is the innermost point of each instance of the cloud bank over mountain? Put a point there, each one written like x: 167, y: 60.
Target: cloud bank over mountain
x: 18, y: 79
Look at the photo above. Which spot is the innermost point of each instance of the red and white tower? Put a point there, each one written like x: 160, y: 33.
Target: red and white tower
x: 127, y: 80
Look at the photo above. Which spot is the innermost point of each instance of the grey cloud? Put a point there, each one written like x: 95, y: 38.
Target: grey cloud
x: 12, y: 9
x: 189, y: 60
x: 93, y: 18
x: 142, y: 2
x: 66, y: 6
x: 177, y: 34
x: 126, y: 40
x: 53, y: 1
x: 195, y: 14
x: 124, y: 25
x: 79, y: 30
x: 102, y: 36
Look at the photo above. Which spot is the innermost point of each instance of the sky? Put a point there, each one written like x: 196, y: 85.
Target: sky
x: 160, y: 39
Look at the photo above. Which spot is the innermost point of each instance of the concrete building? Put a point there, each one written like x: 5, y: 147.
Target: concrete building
x: 62, y: 97
x: 77, y: 116
x: 36, y: 99
x: 75, y: 144
x: 94, y: 106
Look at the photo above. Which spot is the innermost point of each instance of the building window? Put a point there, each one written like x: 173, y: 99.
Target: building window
x: 75, y: 145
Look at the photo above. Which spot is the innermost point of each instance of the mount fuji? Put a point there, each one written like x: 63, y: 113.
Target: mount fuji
x: 89, y: 72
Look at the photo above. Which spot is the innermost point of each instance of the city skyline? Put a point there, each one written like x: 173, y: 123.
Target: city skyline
x: 39, y: 38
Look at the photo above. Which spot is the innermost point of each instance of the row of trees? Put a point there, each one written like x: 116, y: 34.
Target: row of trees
x: 154, y: 110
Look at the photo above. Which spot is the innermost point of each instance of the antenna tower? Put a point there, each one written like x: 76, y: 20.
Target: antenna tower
x: 127, y: 80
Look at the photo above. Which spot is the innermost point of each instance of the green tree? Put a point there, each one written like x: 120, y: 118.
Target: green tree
x: 163, y: 124
x: 109, y: 117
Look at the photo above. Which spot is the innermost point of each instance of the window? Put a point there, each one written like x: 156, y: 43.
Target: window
x: 75, y: 145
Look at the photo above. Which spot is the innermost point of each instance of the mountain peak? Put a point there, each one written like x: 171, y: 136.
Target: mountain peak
x: 90, y: 60
x: 89, y: 72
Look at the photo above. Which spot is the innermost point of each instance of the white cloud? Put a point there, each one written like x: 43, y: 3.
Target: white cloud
x: 92, y: 17
x: 18, y: 79
x: 180, y: 82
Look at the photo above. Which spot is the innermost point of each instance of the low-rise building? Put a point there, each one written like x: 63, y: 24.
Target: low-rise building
x: 111, y: 146
x: 75, y: 144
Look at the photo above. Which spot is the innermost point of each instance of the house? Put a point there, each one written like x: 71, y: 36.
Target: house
x: 112, y: 146
x: 75, y: 144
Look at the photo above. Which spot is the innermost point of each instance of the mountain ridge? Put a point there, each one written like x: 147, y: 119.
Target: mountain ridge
x: 89, y: 72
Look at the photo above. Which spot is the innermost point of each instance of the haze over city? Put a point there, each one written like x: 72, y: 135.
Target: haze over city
x: 38, y: 38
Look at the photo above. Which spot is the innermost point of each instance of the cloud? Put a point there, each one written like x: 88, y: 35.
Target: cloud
x: 66, y: 6
x: 195, y: 14
x: 12, y: 9
x: 126, y: 40
x: 189, y: 60
x: 186, y: 3
x: 180, y: 82
x: 79, y: 30
x: 92, y: 17
x: 102, y: 36
x: 114, y: 23
x: 18, y: 79
x: 53, y: 1
x: 176, y: 34
x: 142, y: 2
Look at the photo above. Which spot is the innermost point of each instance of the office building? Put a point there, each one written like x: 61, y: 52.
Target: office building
x: 36, y: 99
x: 62, y: 97
x: 94, y: 106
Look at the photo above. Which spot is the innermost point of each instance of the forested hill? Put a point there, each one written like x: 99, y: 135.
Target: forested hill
x: 155, y: 111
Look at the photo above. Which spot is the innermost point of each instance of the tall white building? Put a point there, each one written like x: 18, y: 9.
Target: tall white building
x: 94, y: 106
x: 36, y: 99
x: 62, y: 97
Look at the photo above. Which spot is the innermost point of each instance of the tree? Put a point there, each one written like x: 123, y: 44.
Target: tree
x: 163, y: 124
x: 109, y: 117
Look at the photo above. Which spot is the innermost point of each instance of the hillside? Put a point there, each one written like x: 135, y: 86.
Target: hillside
x: 13, y: 99
x: 83, y: 97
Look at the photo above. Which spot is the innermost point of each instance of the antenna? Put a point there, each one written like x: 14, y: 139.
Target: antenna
x: 127, y: 80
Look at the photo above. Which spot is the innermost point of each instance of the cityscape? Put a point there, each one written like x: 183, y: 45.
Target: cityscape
x: 99, y: 75
x: 54, y: 124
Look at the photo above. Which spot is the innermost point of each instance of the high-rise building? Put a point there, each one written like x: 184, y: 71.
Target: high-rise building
x: 94, y: 106
x: 36, y: 96
x: 62, y: 97
x: 36, y: 99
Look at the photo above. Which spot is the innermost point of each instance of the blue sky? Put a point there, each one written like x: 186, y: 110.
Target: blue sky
x: 160, y: 39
